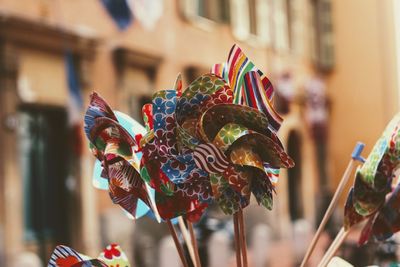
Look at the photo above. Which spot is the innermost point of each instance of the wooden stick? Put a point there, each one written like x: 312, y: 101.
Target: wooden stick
x: 329, y: 211
x: 237, y: 241
x: 194, y: 243
x: 340, y: 237
x: 186, y: 237
x: 177, y: 244
x: 242, y: 235
x: 153, y: 205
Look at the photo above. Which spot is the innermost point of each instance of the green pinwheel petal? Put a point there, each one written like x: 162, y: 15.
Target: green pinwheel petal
x: 167, y: 189
x: 145, y: 175
x: 228, y: 134
x: 206, y: 84
x: 220, y: 115
x: 370, y: 167
x: 124, y: 149
x: 267, y: 201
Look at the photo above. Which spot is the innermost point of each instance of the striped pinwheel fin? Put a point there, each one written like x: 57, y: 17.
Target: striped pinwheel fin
x: 64, y: 256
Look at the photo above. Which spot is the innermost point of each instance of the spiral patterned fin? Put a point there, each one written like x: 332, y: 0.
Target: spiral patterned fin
x: 386, y: 222
x: 218, y: 116
x: 209, y: 158
x: 351, y: 217
x: 97, y: 108
x: 256, y: 97
x: 113, y: 255
x: 105, y: 131
x: 196, y: 186
x: 205, y: 92
x: 147, y: 115
x: 262, y: 189
x: 125, y: 185
x: 235, y: 70
x: 267, y: 150
x: 177, y: 170
x: 64, y: 256
x: 226, y: 197
x: 178, y: 85
x: 164, y: 104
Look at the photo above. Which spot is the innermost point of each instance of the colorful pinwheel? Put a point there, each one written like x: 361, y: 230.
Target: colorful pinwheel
x: 374, y: 179
x: 203, y: 138
x: 180, y: 187
x: 136, y: 130
x: 252, y: 88
x: 216, y: 140
x: 114, y: 147
x: 235, y: 141
x: 111, y: 256
x: 382, y: 205
x: 372, y: 196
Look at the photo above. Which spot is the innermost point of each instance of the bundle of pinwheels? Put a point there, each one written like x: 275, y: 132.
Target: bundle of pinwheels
x: 203, y: 144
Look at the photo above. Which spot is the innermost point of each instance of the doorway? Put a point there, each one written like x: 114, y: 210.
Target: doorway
x: 44, y: 146
x: 294, y: 147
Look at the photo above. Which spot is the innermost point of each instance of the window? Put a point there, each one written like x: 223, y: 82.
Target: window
x: 212, y: 10
x: 323, y: 35
x: 44, y: 152
x: 45, y: 149
x: 295, y: 26
x: 250, y: 20
x: 191, y: 73
x: 216, y: 10
x: 137, y: 86
x: 136, y: 80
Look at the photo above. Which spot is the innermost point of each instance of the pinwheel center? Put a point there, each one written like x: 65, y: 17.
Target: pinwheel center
x: 210, y: 159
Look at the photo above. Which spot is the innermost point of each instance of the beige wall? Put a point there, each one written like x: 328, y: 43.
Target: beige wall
x: 363, y: 84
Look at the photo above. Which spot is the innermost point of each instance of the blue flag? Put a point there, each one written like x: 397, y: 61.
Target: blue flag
x: 120, y: 12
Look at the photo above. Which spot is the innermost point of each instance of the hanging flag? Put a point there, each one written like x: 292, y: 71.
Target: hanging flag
x: 147, y: 12
x: 75, y: 103
x: 120, y: 12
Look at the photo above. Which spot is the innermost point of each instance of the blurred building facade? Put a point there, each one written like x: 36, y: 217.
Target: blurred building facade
x: 46, y: 195
x: 364, y: 84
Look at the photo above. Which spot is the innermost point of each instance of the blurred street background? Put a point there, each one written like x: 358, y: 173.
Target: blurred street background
x: 334, y: 65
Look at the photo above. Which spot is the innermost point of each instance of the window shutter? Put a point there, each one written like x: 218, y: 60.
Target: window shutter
x: 326, y: 56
